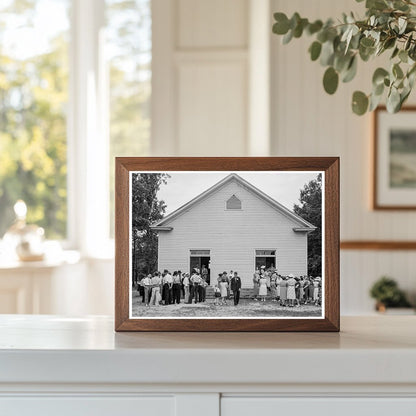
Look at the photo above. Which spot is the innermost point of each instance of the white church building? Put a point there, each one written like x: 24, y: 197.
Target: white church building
x: 233, y: 226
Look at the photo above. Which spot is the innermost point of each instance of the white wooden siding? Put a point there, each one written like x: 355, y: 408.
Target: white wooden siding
x: 232, y: 236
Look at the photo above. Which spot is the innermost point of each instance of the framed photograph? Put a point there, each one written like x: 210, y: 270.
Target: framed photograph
x: 227, y: 244
x: 394, y: 163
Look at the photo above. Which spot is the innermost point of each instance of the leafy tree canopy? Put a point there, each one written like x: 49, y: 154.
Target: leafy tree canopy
x: 310, y: 209
x: 146, y: 210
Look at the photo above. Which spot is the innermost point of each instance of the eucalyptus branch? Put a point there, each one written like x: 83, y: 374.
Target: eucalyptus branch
x: 389, y: 25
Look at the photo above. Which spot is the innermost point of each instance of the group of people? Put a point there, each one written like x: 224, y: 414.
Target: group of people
x: 287, y: 290
x: 169, y: 288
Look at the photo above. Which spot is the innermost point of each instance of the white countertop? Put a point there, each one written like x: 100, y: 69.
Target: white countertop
x: 50, y: 349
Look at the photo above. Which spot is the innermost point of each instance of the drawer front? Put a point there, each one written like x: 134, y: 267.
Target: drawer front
x: 272, y: 406
x: 87, y: 406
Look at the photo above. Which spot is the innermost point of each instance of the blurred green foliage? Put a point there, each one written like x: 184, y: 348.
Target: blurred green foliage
x: 33, y: 97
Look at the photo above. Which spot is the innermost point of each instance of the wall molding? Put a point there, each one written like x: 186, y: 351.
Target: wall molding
x: 378, y: 245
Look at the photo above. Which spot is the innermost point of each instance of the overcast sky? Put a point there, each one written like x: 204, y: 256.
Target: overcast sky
x: 284, y: 187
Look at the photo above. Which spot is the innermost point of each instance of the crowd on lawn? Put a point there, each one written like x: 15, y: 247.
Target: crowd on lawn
x: 169, y: 288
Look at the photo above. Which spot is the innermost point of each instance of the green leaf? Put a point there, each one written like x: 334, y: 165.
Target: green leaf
x: 281, y: 27
x: 366, y: 53
x: 412, y: 52
x: 400, y: 5
x: 395, y: 52
x: 378, y: 89
x: 327, y: 53
x: 389, y: 43
x: 351, y: 71
x: 322, y: 36
x: 294, y: 20
x: 404, y: 95
x: 367, y: 42
x: 411, y: 76
x: 330, y: 80
x: 376, y: 4
x: 348, y: 35
x: 315, y: 50
x: 341, y: 61
x: 408, y: 42
x: 298, y: 30
x: 314, y: 27
x: 359, y: 103
x: 379, y: 75
x: 288, y: 37
x: 393, y: 101
x: 402, y: 24
x: 403, y: 56
x: 374, y: 102
x: 397, y: 71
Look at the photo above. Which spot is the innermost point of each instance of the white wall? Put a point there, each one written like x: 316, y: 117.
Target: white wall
x: 212, y: 95
x: 308, y: 122
x: 223, y: 85
x: 202, y: 84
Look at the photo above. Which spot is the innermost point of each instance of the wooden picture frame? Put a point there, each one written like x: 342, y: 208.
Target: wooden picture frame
x: 330, y: 239
x: 387, y: 193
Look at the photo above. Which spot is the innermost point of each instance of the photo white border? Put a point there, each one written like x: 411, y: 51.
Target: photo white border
x: 231, y: 317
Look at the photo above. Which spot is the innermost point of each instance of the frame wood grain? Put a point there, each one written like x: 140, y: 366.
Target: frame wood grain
x: 330, y: 165
x: 376, y: 205
x: 378, y: 245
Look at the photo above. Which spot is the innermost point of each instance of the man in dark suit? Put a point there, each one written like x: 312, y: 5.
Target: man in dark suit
x: 236, y: 287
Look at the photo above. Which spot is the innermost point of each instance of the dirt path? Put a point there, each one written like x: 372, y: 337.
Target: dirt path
x: 246, y: 308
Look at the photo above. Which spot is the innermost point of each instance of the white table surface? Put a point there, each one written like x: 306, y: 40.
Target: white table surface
x: 46, y: 349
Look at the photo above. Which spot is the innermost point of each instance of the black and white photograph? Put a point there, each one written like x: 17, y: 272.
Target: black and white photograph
x: 207, y: 244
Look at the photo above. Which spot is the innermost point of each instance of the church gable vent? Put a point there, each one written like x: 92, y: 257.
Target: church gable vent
x: 233, y: 203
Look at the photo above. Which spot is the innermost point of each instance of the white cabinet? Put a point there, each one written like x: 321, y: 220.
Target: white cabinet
x: 311, y: 406
x: 80, y: 367
x: 88, y: 406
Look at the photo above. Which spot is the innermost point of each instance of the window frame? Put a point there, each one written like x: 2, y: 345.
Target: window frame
x: 265, y: 256
x: 87, y: 133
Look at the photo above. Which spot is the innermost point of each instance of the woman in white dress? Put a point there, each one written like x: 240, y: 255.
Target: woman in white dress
x: 291, y: 290
x: 224, y: 290
x: 263, y: 288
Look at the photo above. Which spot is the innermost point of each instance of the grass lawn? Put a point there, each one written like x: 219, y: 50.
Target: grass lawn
x: 246, y: 308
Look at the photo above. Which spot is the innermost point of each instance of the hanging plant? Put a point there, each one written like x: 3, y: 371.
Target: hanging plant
x: 389, y: 27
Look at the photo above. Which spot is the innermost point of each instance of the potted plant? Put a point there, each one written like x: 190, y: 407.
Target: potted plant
x: 387, y: 294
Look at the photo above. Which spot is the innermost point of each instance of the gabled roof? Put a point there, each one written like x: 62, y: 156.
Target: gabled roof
x: 303, y: 225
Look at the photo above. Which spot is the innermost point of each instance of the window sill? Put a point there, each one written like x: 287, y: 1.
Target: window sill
x: 50, y: 261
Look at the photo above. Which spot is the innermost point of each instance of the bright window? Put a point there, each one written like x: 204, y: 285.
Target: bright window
x: 33, y: 111
x: 75, y: 87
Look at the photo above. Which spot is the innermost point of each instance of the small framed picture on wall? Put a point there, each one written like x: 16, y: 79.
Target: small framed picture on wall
x: 394, y: 159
